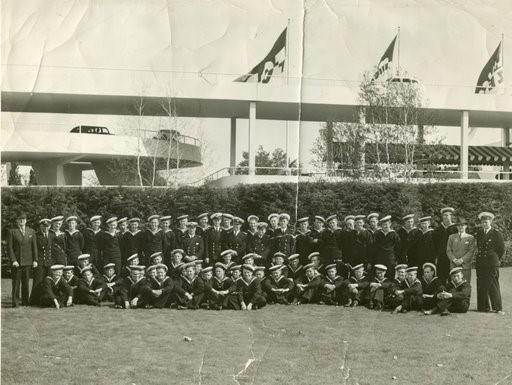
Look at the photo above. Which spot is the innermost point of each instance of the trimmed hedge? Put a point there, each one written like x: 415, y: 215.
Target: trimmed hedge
x: 313, y: 199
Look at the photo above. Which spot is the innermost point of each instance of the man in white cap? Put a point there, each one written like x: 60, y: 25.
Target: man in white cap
x: 430, y: 285
x: 310, y: 289
x: 277, y: 286
x: 213, y: 239
x: 318, y: 227
x: 409, y: 235
x: 44, y: 252
x: 440, y: 238
x: 260, y: 244
x: 410, y: 292
x: 181, y: 229
x: 202, y: 224
x: 109, y: 245
x: 273, y: 220
x: 252, y: 225
x: 54, y: 291
x: 90, y: 237
x: 236, y: 239
x: 131, y: 290
x: 169, y: 238
x: 379, y: 289
x: 331, y: 242
x: 131, y: 241
x: 74, y: 240
x: 192, y: 243
x: 461, y: 249
x: 426, y: 252
x: 360, y: 243
x: 455, y: 297
x: 90, y: 290
x: 386, y: 246
x: 332, y: 291
x: 58, y: 241
x: 153, y: 239
x: 284, y: 241
x: 303, y: 242
x: 491, y: 248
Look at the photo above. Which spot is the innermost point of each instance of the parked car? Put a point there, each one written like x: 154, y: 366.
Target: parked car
x: 91, y: 130
x: 167, y: 134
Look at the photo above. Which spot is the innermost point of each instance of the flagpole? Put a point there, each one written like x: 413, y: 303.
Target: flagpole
x: 287, y: 50
x: 398, y: 67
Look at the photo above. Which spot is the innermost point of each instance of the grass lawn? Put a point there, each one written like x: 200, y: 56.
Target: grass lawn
x: 309, y: 344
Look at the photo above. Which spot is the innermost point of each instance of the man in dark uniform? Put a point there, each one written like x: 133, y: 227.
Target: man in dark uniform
x: 430, y: 285
x: 331, y: 242
x: 356, y: 287
x: 122, y: 225
x: 153, y: 239
x: 314, y: 234
x: 90, y: 235
x: 250, y: 295
x: 284, y: 240
x: 213, y: 239
x: 379, y: 288
x: 192, y: 243
x: 181, y: 230
x: 277, y: 287
x: 44, y: 252
x: 109, y: 245
x: 131, y: 290
x: 260, y: 244
x: 303, y: 241
x: 491, y: 249
x: 54, y: 291
x: 236, y: 239
x: 440, y: 238
x: 222, y: 286
x: 455, y: 297
x: 22, y: 251
x: 410, y: 292
x: 345, y: 237
x: 426, y: 252
x: 310, y: 289
x: 159, y: 288
x: 252, y: 226
x: 386, y: 246
x: 360, y: 241
x: 332, y: 292
x: 295, y: 269
x: 202, y: 224
x: 131, y: 241
x: 227, y: 220
x: 169, y: 237
x: 90, y: 290
x: 273, y: 220
x: 189, y: 288
x: 409, y: 235
x: 373, y: 222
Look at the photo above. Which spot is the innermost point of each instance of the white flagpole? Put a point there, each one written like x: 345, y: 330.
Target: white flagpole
x: 398, y: 54
x: 287, y: 53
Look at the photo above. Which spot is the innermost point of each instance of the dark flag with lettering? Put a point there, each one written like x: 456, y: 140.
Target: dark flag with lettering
x: 491, y: 76
x: 385, y: 61
x: 272, y: 64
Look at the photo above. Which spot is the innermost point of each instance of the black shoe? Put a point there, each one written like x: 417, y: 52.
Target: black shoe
x: 371, y: 305
x: 445, y: 312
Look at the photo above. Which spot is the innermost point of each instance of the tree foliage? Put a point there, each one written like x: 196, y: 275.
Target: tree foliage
x: 267, y: 163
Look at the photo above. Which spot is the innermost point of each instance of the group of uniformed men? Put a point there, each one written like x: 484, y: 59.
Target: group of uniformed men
x: 219, y: 266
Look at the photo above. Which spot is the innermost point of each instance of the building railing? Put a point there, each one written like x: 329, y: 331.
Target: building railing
x: 412, y: 175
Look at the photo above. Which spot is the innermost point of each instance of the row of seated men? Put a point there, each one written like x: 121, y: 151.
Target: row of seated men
x: 246, y: 287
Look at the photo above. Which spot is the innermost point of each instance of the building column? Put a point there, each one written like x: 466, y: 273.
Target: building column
x: 232, y: 148
x: 505, y: 142
x: 464, y: 145
x: 252, y: 138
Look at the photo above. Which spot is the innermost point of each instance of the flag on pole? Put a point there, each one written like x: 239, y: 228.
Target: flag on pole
x: 491, y: 76
x: 385, y: 61
x: 272, y: 64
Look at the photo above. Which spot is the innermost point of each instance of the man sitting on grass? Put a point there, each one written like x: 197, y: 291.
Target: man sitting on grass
x: 332, y: 291
x: 221, y: 287
x: 310, y: 289
x: 380, y: 288
x: 410, y: 292
x: 159, y: 288
x: 111, y: 280
x: 249, y: 291
x: 357, y: 284
x: 189, y: 288
x: 455, y: 297
x: 84, y: 260
x: 277, y: 286
x: 430, y: 284
x: 131, y: 289
x: 90, y: 290
x: 54, y: 291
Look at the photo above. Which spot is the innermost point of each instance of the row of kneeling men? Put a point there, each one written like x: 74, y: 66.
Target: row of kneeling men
x: 247, y: 287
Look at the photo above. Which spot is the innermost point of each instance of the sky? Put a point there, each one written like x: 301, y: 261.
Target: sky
x: 442, y: 42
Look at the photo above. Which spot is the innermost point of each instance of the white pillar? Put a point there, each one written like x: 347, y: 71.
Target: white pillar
x: 464, y: 148
x: 232, y: 147
x: 252, y: 138
x: 505, y: 137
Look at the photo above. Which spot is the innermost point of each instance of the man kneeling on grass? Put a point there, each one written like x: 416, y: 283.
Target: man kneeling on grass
x: 54, y: 291
x: 130, y: 293
x: 410, y: 292
x: 455, y: 297
x: 249, y: 291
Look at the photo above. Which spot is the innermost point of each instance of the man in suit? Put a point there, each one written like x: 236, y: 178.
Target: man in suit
x: 491, y: 249
x: 22, y: 250
x: 44, y: 252
x: 461, y: 248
